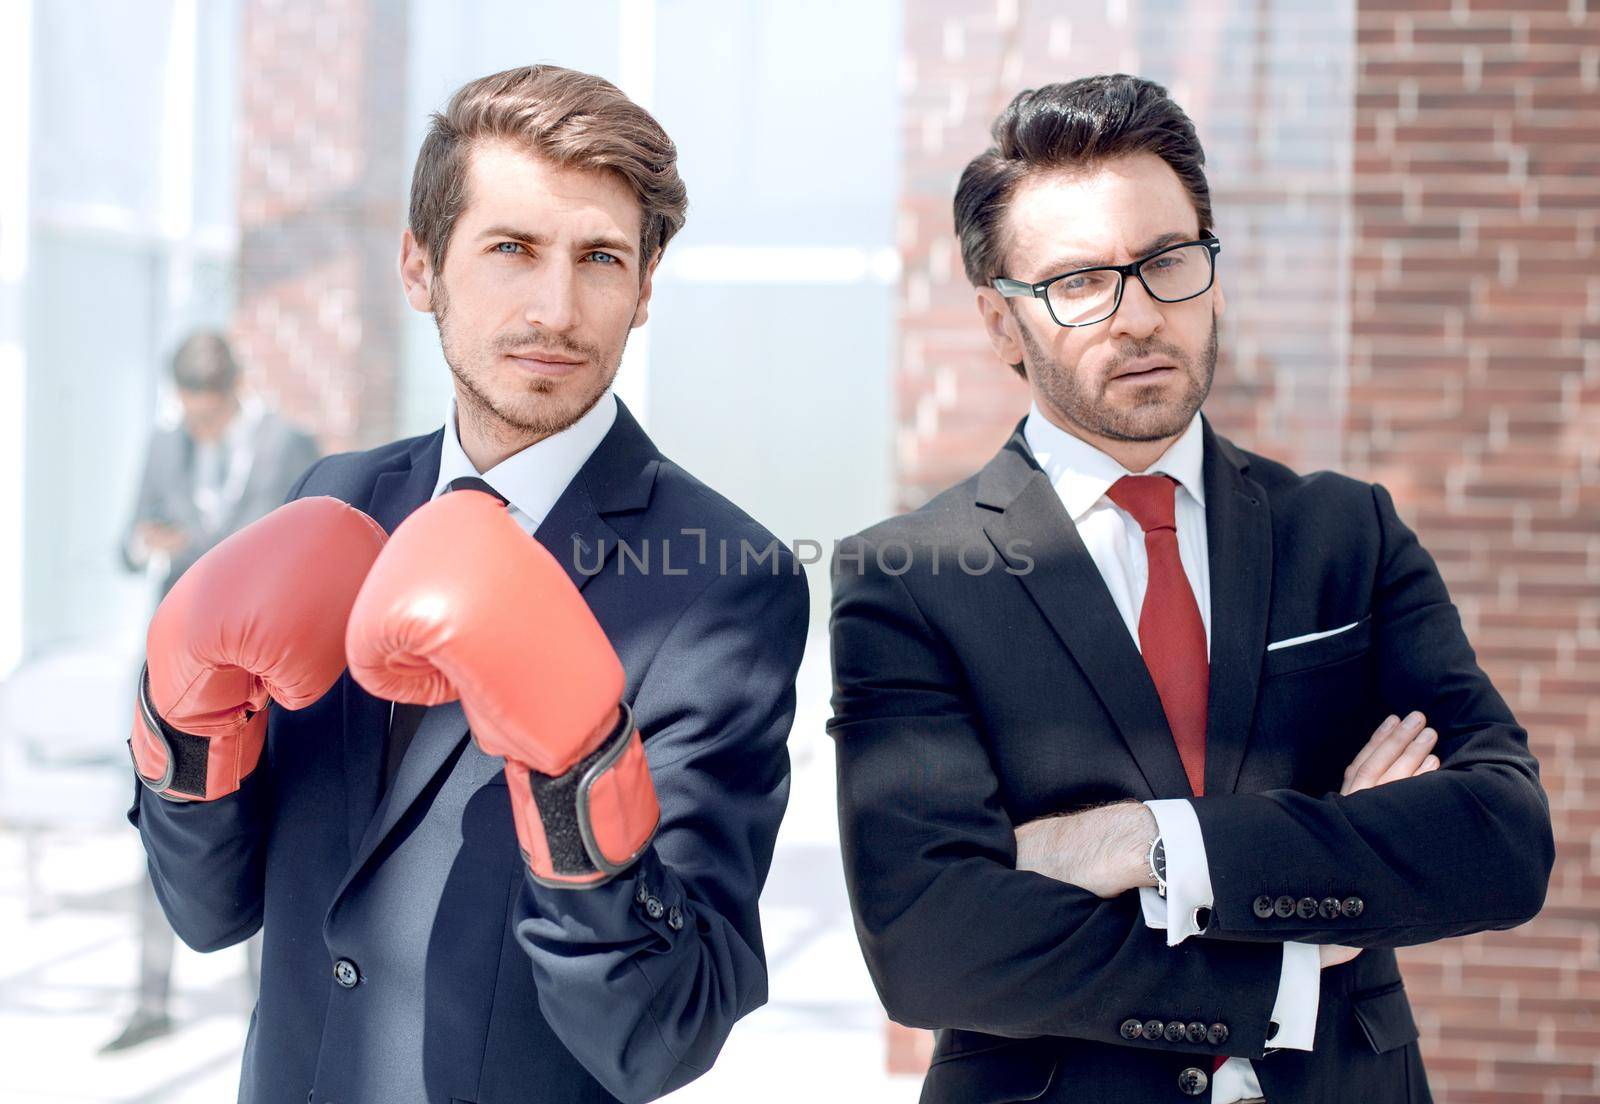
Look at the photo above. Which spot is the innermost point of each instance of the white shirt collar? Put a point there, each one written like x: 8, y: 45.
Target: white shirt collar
x: 534, y: 478
x: 1081, y: 473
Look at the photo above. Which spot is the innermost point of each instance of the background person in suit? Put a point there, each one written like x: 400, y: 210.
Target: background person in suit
x: 228, y: 461
x: 1129, y: 655
x: 412, y: 950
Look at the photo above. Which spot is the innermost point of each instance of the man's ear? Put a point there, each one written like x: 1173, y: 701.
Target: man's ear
x: 1000, y: 325
x: 641, y: 312
x: 416, y: 273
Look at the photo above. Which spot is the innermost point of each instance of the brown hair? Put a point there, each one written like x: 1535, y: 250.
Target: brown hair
x: 1075, y: 125
x: 575, y: 120
x: 204, y: 362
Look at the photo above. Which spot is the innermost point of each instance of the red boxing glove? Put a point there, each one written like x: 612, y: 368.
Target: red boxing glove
x: 463, y: 603
x: 260, y: 615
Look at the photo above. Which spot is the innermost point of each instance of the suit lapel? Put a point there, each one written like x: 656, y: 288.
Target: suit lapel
x: 1064, y: 583
x: 441, y: 732
x: 1239, y: 539
x: 396, y: 493
x: 617, y: 478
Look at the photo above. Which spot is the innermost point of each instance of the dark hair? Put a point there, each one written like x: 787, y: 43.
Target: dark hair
x: 1075, y: 125
x: 204, y: 362
x: 573, y: 119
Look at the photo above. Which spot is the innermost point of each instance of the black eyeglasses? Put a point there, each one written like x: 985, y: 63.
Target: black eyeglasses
x: 1091, y: 295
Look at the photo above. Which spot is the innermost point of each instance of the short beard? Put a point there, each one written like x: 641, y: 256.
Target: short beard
x: 499, y: 421
x: 1080, y: 403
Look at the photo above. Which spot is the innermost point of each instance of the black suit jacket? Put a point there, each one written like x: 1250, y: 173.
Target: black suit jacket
x: 968, y: 702
x: 468, y: 982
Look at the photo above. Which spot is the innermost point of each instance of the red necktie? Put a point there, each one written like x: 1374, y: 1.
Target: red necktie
x: 1171, y: 634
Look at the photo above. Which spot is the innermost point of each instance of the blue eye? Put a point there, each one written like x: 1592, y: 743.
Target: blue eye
x: 605, y: 258
x: 508, y: 248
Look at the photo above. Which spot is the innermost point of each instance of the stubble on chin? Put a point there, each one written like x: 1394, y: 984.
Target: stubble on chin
x: 1085, y: 404
x: 540, y: 408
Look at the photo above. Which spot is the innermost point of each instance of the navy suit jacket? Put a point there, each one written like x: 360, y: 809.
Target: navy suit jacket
x: 407, y: 954
x: 969, y: 703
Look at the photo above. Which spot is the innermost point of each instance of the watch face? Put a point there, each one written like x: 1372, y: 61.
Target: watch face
x: 1158, y: 859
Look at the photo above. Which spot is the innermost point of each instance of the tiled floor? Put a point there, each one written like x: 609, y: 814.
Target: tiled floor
x: 68, y: 964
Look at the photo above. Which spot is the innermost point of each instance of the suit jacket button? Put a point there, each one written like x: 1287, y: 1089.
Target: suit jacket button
x: 1132, y: 1028
x: 1352, y: 906
x: 346, y: 974
x: 1217, y: 1034
x: 675, y: 918
x: 1153, y: 1029
x: 1307, y: 909
x: 1196, y: 1032
x: 1193, y: 1081
x: 1263, y: 907
x: 654, y: 908
x: 1284, y: 906
x: 640, y: 893
x: 1175, y: 1032
x: 1329, y: 909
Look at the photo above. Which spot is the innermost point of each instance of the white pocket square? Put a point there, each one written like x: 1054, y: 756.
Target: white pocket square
x: 1309, y: 637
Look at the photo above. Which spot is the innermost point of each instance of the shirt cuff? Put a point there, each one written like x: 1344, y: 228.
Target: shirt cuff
x: 1189, y: 893
x: 1299, y: 993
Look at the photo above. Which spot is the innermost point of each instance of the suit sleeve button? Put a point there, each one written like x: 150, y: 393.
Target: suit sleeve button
x: 1284, y: 906
x: 1132, y: 1028
x: 1217, y: 1034
x: 1196, y: 1031
x: 1153, y: 1029
x: 1307, y: 908
x: 653, y: 907
x: 1352, y: 906
x: 1175, y: 1032
x: 1329, y: 909
x: 675, y: 918
x: 1263, y: 907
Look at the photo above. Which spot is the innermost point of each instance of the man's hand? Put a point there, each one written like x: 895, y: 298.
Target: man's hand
x: 1398, y: 749
x: 1332, y: 954
x: 1104, y: 849
x: 160, y: 539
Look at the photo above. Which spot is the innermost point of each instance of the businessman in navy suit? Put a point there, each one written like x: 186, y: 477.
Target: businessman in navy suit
x: 409, y: 952
x: 1150, y: 749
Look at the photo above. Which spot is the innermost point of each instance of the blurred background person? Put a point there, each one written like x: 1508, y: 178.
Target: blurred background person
x: 228, y: 461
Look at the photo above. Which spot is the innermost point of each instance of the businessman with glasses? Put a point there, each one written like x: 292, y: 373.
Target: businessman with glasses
x: 1141, y: 812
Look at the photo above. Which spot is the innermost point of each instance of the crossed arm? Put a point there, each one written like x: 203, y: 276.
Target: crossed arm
x: 1106, y: 849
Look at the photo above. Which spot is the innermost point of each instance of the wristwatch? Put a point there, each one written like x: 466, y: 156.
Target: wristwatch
x: 1157, y: 858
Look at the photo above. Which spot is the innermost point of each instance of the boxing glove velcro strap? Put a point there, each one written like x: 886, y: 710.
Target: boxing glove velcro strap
x: 187, y: 755
x: 599, y: 816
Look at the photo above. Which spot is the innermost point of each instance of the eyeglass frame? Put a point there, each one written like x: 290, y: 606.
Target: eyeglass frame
x: 1021, y: 289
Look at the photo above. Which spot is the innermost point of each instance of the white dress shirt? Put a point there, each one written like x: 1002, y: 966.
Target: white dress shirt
x: 1081, y: 475
x: 531, y: 480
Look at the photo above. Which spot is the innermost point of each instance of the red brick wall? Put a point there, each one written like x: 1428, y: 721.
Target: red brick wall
x: 1475, y: 395
x: 1440, y: 160
x: 321, y: 206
